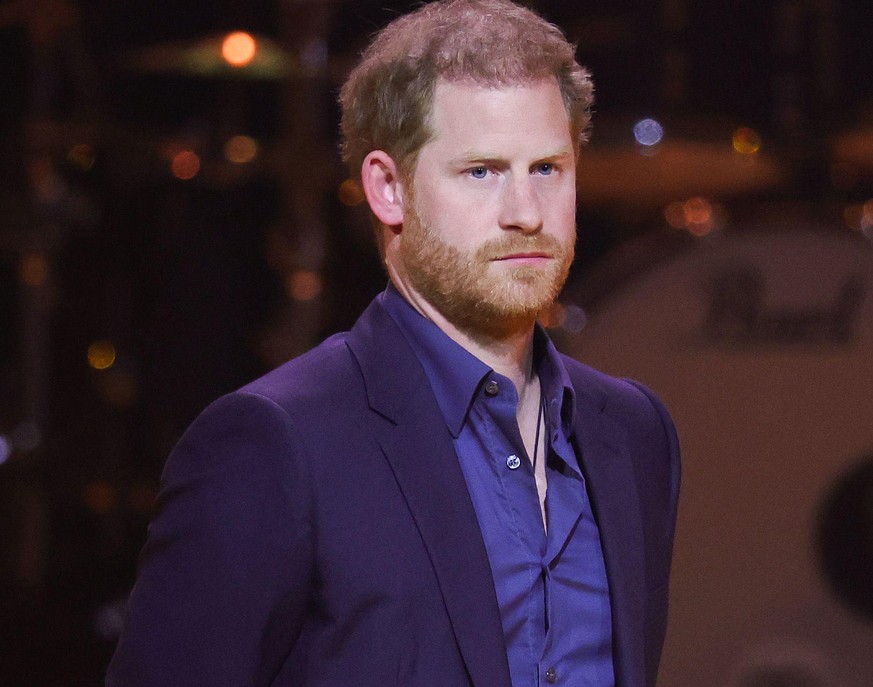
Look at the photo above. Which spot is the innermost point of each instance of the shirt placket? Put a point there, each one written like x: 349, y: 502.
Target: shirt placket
x: 519, y: 486
x: 565, y: 507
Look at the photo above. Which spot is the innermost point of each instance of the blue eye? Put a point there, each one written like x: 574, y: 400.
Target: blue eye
x: 478, y: 172
x: 545, y: 168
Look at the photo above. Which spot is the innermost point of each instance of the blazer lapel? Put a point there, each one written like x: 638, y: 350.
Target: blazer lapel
x: 606, y: 463
x: 408, y: 426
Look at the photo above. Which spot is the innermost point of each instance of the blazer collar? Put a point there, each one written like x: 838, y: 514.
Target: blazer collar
x: 412, y: 433
x: 606, y: 463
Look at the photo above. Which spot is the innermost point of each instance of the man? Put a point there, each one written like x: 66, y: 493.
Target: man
x: 437, y: 497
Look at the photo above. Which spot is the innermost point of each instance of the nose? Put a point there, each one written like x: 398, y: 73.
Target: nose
x: 520, y: 206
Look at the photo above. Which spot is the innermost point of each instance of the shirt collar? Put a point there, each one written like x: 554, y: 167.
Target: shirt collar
x: 554, y: 380
x: 456, y: 375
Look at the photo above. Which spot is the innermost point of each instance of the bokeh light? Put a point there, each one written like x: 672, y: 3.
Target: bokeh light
x: 100, y: 497
x: 566, y: 317
x: 33, y: 270
x: 303, y: 285
x: 674, y: 213
x: 82, y: 156
x: 5, y: 449
x: 26, y: 437
x: 119, y: 388
x: 101, y: 355
x: 350, y: 193
x: 45, y: 181
x: 695, y: 215
x: 575, y: 318
x: 185, y: 165
x: 241, y: 149
x: 746, y: 141
x: 314, y: 54
x: 860, y: 218
x: 553, y: 317
x: 238, y: 49
x: 648, y: 132
x: 108, y: 620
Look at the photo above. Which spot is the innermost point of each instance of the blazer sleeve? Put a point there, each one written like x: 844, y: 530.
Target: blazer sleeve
x: 670, y: 464
x: 660, y: 499
x: 224, y: 578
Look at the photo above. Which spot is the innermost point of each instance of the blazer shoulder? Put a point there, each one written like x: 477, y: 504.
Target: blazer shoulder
x: 643, y: 417
x: 321, y: 378
x: 613, y: 394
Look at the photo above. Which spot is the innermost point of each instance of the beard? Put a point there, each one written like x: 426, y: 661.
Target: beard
x: 470, y: 290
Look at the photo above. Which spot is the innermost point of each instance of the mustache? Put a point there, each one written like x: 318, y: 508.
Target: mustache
x: 512, y: 244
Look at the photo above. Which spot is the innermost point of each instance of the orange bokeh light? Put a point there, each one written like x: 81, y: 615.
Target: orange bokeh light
x: 303, y: 285
x: 101, y: 355
x: 241, y: 149
x: 746, y: 141
x: 34, y: 269
x: 238, y: 49
x: 185, y: 164
x: 100, y: 497
x: 699, y: 216
x: 696, y: 215
x: 350, y: 193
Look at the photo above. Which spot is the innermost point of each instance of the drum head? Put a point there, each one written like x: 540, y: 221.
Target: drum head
x: 761, y: 344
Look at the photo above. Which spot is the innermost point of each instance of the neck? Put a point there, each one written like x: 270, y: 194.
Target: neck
x: 507, y: 350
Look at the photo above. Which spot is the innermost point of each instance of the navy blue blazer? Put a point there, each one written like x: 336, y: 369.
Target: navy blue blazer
x: 314, y: 529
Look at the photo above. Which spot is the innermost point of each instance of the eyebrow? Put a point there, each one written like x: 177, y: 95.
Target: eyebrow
x: 472, y: 156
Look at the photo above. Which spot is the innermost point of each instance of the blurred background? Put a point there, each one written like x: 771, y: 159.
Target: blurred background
x: 175, y: 220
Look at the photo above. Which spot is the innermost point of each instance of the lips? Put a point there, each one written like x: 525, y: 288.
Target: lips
x: 532, y: 249
x: 525, y: 256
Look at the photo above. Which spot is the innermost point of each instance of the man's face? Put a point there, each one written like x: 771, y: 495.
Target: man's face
x: 489, y: 222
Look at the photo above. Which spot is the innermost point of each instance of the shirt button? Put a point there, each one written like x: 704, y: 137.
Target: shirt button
x: 513, y: 462
x: 491, y: 387
x: 551, y: 676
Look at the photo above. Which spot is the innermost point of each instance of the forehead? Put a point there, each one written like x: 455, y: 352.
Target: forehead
x: 527, y: 115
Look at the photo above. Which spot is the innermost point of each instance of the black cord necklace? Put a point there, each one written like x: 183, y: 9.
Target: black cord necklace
x: 540, y: 414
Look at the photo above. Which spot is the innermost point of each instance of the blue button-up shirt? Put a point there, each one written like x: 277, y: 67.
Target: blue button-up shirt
x: 551, y: 585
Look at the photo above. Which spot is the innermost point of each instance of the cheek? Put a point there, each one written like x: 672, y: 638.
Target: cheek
x: 563, y: 219
x: 462, y: 226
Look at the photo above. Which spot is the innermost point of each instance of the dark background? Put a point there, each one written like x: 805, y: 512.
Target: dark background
x: 201, y: 284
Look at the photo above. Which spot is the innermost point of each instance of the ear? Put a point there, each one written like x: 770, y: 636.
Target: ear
x: 383, y: 188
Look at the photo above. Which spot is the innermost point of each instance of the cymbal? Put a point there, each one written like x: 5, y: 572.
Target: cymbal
x: 671, y: 170
x: 203, y: 58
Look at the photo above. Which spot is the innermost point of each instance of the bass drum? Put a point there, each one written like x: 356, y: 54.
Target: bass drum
x: 761, y: 345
